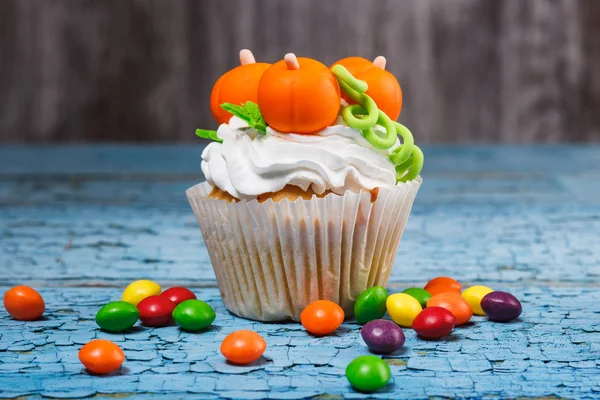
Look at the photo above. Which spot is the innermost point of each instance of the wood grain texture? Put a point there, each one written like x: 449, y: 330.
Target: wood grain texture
x: 127, y: 70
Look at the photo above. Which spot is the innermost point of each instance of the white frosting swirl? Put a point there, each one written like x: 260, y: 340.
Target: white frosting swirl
x: 338, y: 158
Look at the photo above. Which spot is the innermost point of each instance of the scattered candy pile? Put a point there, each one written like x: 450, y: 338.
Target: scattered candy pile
x: 432, y: 313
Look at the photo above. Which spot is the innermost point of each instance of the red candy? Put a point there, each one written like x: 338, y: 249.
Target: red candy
x: 434, y: 323
x: 443, y: 284
x: 178, y: 294
x: 156, y: 311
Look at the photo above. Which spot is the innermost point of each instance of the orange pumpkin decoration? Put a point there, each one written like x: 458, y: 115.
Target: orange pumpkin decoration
x: 383, y: 86
x: 299, y: 95
x: 237, y: 86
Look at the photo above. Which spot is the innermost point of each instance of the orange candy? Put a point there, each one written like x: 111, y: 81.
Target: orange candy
x: 322, y: 317
x: 454, y: 303
x: 383, y: 86
x: 243, y: 347
x: 101, y: 356
x: 24, y: 303
x: 298, y: 95
x: 443, y: 284
x: 237, y: 86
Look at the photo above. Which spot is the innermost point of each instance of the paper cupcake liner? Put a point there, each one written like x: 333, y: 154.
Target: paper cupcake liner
x: 273, y: 259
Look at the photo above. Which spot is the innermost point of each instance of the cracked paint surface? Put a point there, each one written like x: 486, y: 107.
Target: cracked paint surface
x: 79, y: 223
x: 552, y: 350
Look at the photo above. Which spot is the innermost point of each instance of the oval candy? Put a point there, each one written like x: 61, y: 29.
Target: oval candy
x: 101, y: 356
x: 117, y: 316
x: 501, y: 306
x: 443, y: 284
x: 139, y: 290
x: 403, y: 308
x: 156, y: 311
x: 474, y: 295
x: 434, y: 323
x: 454, y: 303
x: 243, y: 347
x: 368, y: 373
x: 421, y: 295
x: 178, y: 294
x: 322, y: 317
x: 370, y: 305
x: 382, y: 336
x: 194, y: 315
x: 24, y: 303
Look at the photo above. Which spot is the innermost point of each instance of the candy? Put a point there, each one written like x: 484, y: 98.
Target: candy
x: 24, y: 303
x: 178, y: 294
x: 443, y: 284
x: 101, y: 356
x: 156, y: 311
x: 139, y: 290
x: 243, y: 347
x: 370, y: 305
x: 368, y: 373
x: 322, y: 317
x: 194, y: 315
x: 117, y: 316
x: 452, y: 302
x: 474, y: 295
x: 382, y: 336
x: 420, y: 294
x: 403, y: 308
x: 434, y: 323
x: 501, y: 306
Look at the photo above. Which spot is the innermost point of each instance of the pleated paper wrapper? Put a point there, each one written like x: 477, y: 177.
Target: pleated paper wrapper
x: 272, y: 259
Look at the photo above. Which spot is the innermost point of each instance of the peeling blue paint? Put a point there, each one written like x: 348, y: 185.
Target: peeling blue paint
x: 117, y: 215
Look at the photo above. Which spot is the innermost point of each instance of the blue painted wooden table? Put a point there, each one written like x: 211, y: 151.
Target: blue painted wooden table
x: 79, y: 223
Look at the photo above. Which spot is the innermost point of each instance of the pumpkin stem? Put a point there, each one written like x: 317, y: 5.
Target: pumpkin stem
x: 379, y: 62
x: 246, y: 57
x: 291, y: 61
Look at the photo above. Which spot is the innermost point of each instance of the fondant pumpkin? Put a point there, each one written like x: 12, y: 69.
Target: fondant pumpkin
x: 383, y: 86
x: 299, y: 95
x: 237, y: 86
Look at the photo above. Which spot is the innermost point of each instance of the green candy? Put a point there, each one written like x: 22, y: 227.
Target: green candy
x: 194, y: 315
x: 368, y: 373
x: 370, y: 305
x: 117, y: 316
x: 421, y: 295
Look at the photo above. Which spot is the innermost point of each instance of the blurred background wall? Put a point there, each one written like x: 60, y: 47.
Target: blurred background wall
x: 505, y: 71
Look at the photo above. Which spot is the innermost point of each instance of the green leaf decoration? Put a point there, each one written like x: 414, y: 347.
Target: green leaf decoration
x: 207, y: 134
x: 250, y: 113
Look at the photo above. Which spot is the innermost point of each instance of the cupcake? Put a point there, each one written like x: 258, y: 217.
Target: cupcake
x: 306, y: 193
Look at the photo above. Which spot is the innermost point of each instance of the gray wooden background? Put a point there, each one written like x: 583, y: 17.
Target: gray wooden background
x: 142, y: 70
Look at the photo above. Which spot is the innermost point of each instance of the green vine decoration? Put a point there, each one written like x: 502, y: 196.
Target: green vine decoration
x: 407, y: 158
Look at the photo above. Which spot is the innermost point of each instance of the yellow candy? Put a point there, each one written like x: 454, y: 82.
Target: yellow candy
x: 139, y: 290
x: 474, y: 295
x: 403, y: 309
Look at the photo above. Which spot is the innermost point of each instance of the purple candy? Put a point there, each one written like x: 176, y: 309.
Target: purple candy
x: 382, y: 336
x: 501, y: 306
